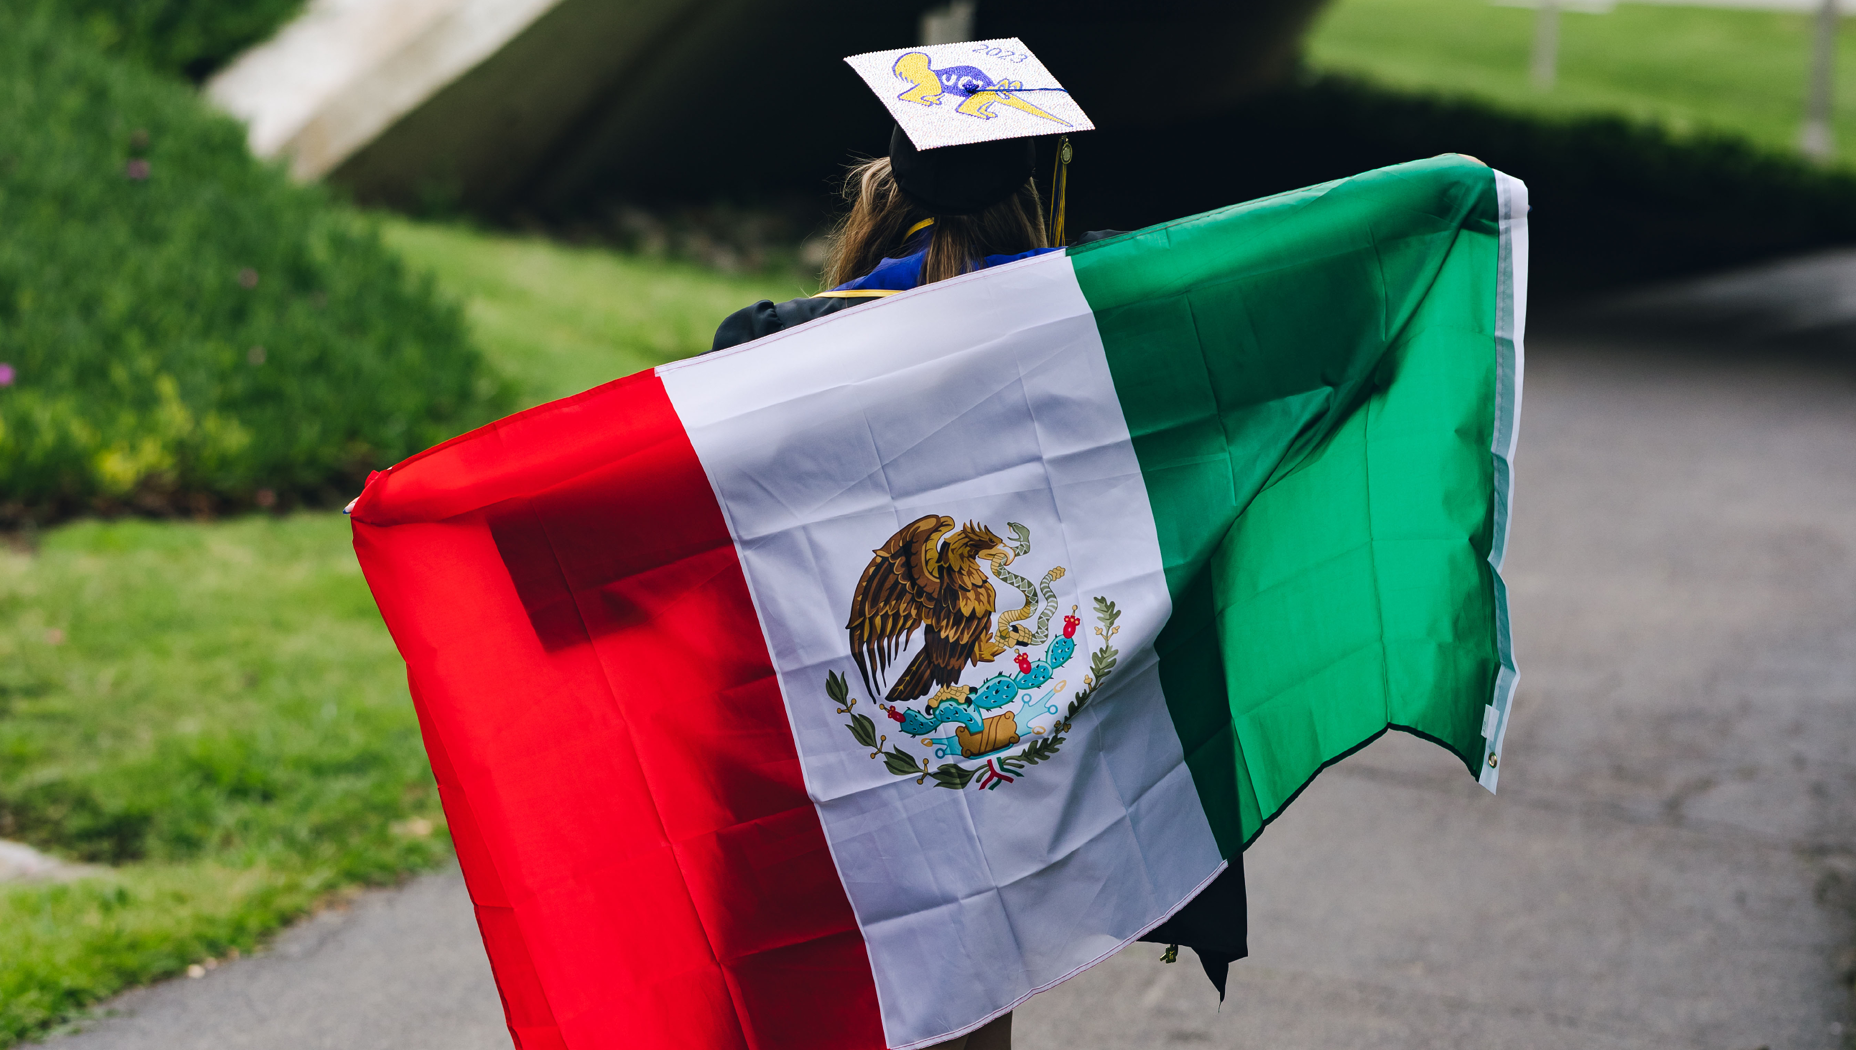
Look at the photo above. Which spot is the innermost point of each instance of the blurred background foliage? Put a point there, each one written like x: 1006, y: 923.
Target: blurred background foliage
x: 560, y: 318
x: 188, y: 37
x: 186, y: 329
x: 211, y: 713
x: 1666, y: 146
x: 1616, y: 201
x: 1687, y: 69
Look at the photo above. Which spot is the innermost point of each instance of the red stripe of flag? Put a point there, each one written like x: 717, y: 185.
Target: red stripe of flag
x: 610, y: 743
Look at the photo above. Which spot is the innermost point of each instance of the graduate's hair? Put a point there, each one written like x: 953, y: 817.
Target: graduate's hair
x: 880, y: 214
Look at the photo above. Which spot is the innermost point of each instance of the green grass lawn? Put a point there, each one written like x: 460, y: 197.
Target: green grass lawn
x: 213, y: 713
x: 559, y: 319
x: 1691, y: 68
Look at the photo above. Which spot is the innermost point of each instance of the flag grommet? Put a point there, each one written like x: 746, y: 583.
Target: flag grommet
x: 1491, y: 761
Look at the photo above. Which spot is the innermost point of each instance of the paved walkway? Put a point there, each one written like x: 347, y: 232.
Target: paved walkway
x: 1671, y: 863
x: 400, y: 970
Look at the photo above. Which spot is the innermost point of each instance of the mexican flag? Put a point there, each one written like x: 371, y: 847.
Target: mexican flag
x: 844, y: 689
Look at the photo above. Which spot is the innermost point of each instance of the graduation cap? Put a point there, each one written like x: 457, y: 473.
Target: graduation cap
x: 966, y: 116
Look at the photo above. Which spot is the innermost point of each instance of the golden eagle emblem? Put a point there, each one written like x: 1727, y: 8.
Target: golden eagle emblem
x: 928, y: 576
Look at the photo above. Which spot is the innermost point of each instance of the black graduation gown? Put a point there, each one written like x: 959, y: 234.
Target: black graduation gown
x: 767, y: 317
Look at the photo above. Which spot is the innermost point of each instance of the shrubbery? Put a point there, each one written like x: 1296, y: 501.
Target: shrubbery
x: 1615, y: 201
x: 182, y: 327
x: 191, y: 37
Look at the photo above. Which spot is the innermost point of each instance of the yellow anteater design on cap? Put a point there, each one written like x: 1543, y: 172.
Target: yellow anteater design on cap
x: 977, y: 91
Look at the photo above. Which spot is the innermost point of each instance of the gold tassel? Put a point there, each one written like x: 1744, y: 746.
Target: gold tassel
x: 1059, y: 186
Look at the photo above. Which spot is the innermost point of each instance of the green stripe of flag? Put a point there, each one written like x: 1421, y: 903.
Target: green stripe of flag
x: 1310, y: 382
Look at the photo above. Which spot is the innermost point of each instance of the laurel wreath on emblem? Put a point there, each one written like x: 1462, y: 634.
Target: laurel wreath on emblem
x: 1003, y: 770
x: 928, y: 579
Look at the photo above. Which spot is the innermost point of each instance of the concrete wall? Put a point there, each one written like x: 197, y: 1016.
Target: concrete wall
x: 505, y: 106
x: 347, y: 71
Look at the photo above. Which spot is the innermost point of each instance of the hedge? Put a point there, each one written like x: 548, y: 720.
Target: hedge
x: 1615, y: 202
x: 188, y: 37
x: 181, y: 327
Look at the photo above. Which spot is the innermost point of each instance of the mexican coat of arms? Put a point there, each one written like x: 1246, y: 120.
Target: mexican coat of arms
x: 936, y: 577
